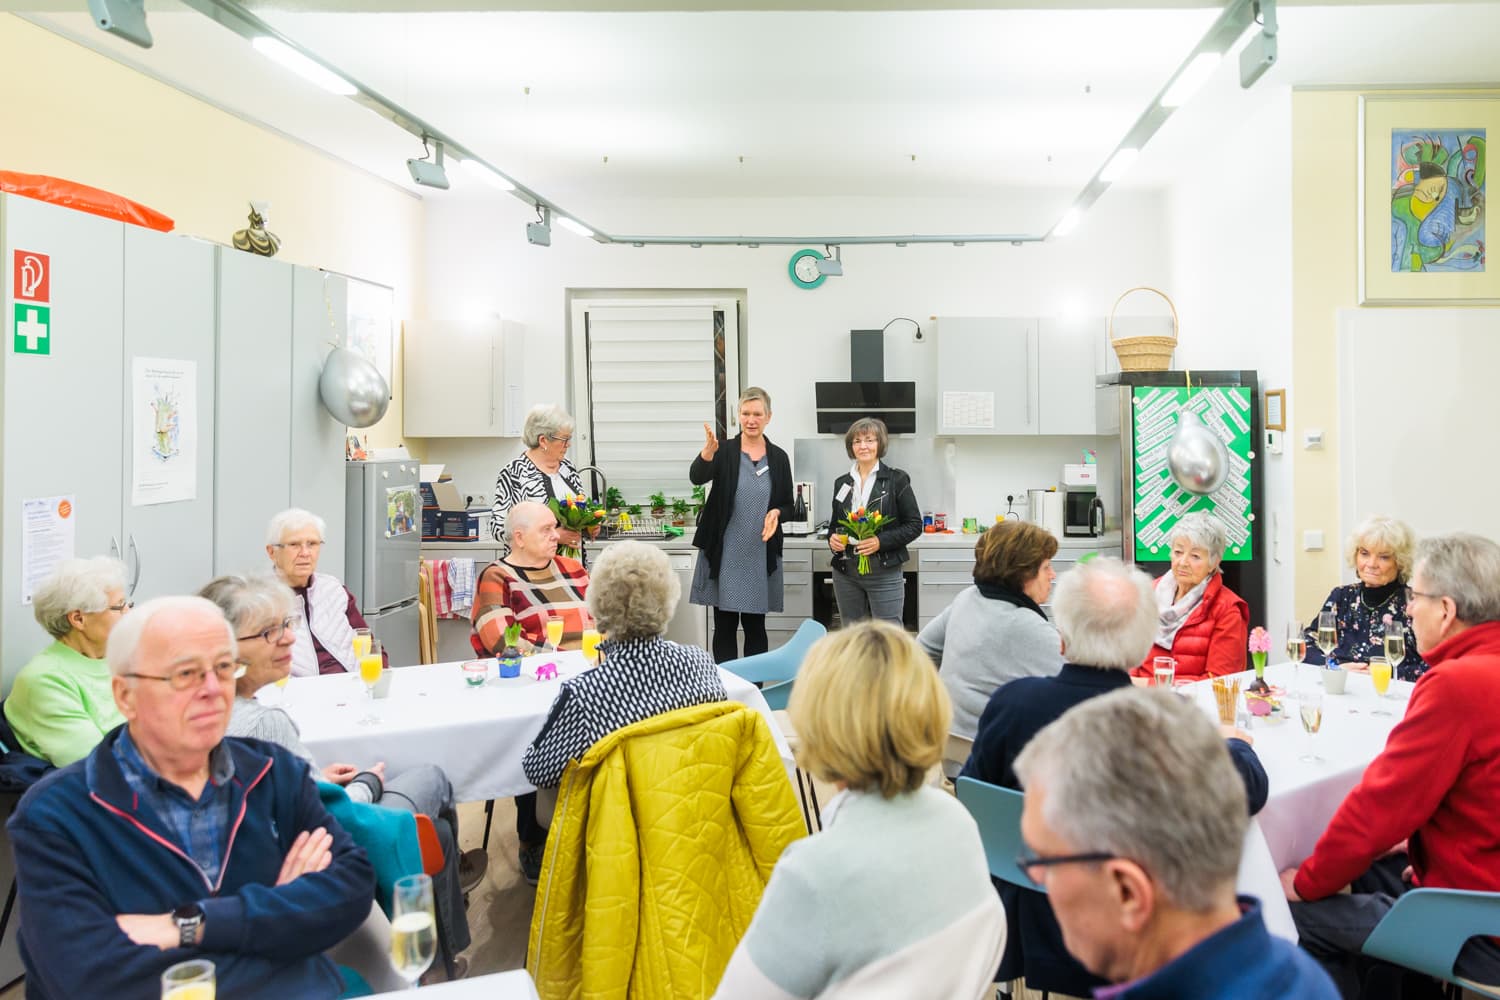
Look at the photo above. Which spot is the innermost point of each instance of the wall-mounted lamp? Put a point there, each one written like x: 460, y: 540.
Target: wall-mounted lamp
x: 539, y: 233
x: 126, y: 18
x: 429, y: 173
x: 834, y: 265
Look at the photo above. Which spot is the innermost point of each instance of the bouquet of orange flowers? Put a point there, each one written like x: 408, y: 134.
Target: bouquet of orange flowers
x: 862, y: 524
x: 578, y: 514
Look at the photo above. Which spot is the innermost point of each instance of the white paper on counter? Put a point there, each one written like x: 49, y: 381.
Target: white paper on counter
x: 47, y: 538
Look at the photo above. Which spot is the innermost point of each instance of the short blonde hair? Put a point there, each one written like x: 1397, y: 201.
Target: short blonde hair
x: 755, y: 392
x: 633, y: 591
x: 869, y: 710
x: 1380, y: 532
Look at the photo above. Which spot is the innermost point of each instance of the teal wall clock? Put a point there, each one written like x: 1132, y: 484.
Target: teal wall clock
x: 803, y: 268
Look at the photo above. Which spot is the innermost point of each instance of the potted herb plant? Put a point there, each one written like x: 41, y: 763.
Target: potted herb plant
x: 658, y: 504
x: 614, y: 499
x: 680, y: 508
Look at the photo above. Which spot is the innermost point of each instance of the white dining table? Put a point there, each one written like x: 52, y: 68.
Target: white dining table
x: 1302, y: 796
x: 516, y: 985
x: 477, y: 735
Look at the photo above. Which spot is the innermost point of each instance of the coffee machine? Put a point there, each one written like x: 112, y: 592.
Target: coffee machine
x: 1083, y: 511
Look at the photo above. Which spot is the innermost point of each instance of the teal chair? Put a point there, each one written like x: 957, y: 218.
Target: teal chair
x: 997, y: 811
x: 776, y: 671
x: 1427, y: 928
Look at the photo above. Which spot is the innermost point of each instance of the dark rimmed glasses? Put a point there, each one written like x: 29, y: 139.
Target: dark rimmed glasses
x: 1026, y: 862
x: 272, y: 633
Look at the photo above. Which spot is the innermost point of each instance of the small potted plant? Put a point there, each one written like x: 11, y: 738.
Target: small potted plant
x: 509, y: 659
x: 700, y: 499
x: 658, y: 504
x: 680, y: 508
x: 634, y: 510
x: 1260, y: 645
x: 614, y: 499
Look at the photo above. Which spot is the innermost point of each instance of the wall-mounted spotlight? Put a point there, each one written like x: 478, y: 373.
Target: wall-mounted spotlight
x: 833, y: 266
x: 126, y: 18
x: 1260, y: 54
x: 429, y: 173
x: 539, y: 233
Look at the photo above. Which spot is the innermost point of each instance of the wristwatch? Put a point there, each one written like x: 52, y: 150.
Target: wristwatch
x: 189, y: 919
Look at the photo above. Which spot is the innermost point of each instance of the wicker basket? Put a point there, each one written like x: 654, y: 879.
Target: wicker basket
x: 1143, y: 354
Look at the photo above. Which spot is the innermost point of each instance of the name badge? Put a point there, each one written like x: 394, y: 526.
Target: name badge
x: 843, y: 493
x: 762, y: 470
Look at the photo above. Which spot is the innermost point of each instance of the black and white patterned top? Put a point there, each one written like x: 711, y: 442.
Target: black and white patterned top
x: 522, y: 480
x: 640, y: 678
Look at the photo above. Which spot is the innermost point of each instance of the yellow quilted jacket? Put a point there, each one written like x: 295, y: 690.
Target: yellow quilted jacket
x: 664, y: 836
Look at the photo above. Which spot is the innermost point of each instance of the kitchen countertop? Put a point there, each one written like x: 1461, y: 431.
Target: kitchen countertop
x: 1108, y: 542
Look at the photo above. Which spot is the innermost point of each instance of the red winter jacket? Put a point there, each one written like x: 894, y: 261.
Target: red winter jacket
x: 1436, y: 781
x: 1211, y: 643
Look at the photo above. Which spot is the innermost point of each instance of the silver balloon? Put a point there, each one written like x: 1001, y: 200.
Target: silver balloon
x: 1197, y: 457
x: 352, y: 389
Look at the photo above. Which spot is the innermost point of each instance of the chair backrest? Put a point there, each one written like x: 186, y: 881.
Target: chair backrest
x: 426, y: 615
x: 1426, y: 928
x: 777, y: 695
x: 782, y: 663
x: 18, y: 769
x: 998, y: 812
x: 432, y: 848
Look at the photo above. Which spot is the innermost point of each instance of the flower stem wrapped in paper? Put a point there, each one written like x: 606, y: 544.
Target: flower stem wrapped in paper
x: 578, y: 514
x: 862, y: 524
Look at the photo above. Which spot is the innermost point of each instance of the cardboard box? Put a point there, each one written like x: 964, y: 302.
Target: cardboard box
x: 432, y: 524
x: 464, y: 525
x: 429, y: 499
x: 445, y: 496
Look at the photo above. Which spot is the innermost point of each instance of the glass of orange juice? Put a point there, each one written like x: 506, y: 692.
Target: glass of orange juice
x: 371, y: 665
x: 1380, y: 677
x: 591, y: 639
x: 554, y: 632
x: 362, y: 640
x: 193, y: 980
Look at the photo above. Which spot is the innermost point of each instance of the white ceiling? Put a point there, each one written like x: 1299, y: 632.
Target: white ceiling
x: 992, y: 103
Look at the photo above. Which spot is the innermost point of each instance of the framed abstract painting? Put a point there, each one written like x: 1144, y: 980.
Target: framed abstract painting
x: 1424, y: 194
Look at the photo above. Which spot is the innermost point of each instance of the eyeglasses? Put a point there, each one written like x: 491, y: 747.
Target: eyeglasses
x: 272, y: 634
x: 191, y: 677
x: 120, y: 608
x: 1410, y: 593
x: 300, y: 546
x: 1026, y: 862
x: 554, y: 437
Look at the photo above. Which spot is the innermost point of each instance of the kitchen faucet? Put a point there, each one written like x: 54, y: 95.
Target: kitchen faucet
x: 602, y: 483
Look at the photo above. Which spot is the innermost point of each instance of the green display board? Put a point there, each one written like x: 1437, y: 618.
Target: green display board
x: 1159, y: 501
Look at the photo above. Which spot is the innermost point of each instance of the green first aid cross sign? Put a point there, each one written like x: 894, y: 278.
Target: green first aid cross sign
x: 33, y: 329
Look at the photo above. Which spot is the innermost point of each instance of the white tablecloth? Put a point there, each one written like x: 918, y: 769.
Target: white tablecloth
x: 1303, y: 796
x: 515, y: 985
x: 476, y: 735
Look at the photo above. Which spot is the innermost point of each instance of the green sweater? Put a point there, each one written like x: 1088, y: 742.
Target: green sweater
x: 61, y: 705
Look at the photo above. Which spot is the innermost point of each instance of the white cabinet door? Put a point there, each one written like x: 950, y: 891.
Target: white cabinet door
x: 169, y: 314
x: 1068, y: 366
x: 59, y: 411
x: 319, y: 318
x: 452, y: 384
x: 252, y: 480
x: 987, y: 376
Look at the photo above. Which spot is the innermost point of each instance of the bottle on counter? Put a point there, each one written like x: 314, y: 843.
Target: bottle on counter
x: 799, y: 508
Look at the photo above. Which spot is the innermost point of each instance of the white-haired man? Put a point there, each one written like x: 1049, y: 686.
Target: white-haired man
x: 170, y: 842
x: 1429, y: 799
x: 294, y: 541
x: 1107, y: 616
x: 1133, y: 825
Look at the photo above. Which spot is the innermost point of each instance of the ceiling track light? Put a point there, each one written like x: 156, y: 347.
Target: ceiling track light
x: 429, y: 173
x: 831, y: 266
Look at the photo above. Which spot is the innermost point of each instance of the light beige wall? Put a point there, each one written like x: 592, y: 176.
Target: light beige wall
x: 75, y: 114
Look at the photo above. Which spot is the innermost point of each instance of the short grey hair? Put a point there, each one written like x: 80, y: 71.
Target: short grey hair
x: 531, y: 513
x: 1203, y: 531
x: 755, y: 392
x: 75, y: 585
x: 1144, y: 775
x: 865, y: 427
x: 546, y: 420
x: 248, y: 600
x: 1378, y: 532
x: 1465, y: 568
x: 295, y: 519
x: 125, y: 639
x: 633, y: 591
x: 1106, y: 613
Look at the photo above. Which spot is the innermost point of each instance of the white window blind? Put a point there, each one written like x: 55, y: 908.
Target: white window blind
x: 652, y: 379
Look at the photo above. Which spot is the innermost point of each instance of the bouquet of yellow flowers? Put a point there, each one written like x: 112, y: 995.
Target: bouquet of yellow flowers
x: 862, y: 524
x: 578, y: 514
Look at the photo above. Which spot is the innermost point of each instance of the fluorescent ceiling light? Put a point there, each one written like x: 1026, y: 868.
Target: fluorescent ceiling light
x: 1067, y: 223
x: 1195, y: 75
x: 278, y: 51
x: 574, y: 226
x: 476, y: 169
x: 1118, y: 164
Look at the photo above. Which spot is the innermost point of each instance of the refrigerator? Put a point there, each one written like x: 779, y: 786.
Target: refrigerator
x: 1142, y: 408
x: 383, y: 551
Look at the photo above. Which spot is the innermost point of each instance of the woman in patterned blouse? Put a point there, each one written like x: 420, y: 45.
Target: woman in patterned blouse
x: 1380, y: 550
x: 542, y: 472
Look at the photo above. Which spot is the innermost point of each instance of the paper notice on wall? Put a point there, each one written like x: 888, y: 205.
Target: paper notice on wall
x: 164, y: 431
x: 968, y: 411
x: 46, y: 539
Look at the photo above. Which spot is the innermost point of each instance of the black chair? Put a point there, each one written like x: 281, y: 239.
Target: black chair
x: 18, y: 772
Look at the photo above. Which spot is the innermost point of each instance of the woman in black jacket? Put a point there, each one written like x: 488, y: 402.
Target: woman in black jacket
x: 739, y: 532
x: 875, y: 486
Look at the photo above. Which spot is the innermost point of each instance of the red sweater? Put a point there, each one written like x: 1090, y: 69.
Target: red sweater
x: 1437, y: 781
x: 1211, y: 643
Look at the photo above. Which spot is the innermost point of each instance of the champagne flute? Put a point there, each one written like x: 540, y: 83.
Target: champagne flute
x: 371, y: 665
x: 1380, y: 677
x: 554, y: 632
x: 1395, y: 642
x: 1328, y: 633
x: 191, y: 980
x: 1296, y: 644
x: 413, y: 927
x: 1310, y: 708
x: 362, y: 640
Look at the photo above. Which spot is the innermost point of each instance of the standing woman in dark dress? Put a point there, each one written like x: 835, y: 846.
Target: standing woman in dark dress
x: 739, y: 532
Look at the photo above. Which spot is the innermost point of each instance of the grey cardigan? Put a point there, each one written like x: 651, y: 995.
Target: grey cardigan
x: 980, y: 643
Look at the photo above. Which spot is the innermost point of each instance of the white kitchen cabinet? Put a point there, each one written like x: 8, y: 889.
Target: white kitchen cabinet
x: 462, y: 378
x: 1071, y: 356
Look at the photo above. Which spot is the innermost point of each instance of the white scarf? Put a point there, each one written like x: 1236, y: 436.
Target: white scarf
x: 327, y: 603
x: 1174, y: 614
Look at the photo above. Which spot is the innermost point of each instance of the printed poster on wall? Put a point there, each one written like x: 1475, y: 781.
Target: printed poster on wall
x: 47, y: 538
x: 164, y: 431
